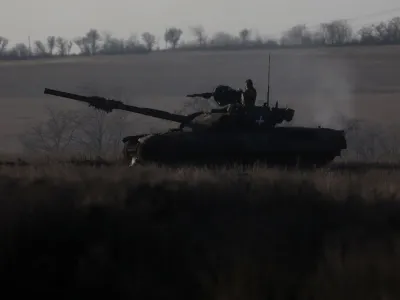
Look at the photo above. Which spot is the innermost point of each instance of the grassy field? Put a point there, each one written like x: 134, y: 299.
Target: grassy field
x: 72, y: 231
x: 199, y: 234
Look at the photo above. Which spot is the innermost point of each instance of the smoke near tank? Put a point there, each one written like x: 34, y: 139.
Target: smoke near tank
x: 319, y: 88
x: 331, y: 95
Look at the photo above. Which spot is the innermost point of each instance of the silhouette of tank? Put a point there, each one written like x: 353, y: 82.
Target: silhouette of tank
x: 230, y: 134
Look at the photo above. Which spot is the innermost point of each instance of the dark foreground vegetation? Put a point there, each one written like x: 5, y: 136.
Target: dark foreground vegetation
x: 152, y: 233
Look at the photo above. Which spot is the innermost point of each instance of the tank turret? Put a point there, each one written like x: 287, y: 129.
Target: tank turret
x: 234, y: 115
x: 223, y: 95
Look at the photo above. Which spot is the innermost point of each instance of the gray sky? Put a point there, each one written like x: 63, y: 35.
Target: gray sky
x: 72, y: 18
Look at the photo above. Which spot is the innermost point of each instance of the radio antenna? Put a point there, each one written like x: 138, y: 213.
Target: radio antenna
x: 269, y: 72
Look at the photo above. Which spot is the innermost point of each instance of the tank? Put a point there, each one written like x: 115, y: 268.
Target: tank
x: 229, y: 134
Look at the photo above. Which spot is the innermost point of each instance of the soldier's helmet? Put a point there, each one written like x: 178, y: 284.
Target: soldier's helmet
x: 249, y: 82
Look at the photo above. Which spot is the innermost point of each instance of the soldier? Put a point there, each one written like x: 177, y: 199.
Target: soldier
x: 249, y: 95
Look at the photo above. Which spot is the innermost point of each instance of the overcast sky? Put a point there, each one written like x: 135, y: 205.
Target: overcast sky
x: 40, y: 18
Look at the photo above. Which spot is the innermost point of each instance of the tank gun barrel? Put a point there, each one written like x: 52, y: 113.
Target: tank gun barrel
x: 108, y: 105
x: 202, y: 95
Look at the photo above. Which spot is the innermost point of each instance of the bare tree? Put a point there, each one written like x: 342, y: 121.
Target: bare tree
x: 40, y: 48
x: 101, y: 134
x: 258, y: 39
x: 112, y: 45
x: 337, y: 32
x: 244, y: 35
x: 393, y: 28
x: 132, y: 41
x: 53, y: 136
x: 51, y: 43
x: 20, y: 50
x: 3, y: 45
x: 89, y: 44
x: 223, y: 39
x: 92, y: 39
x: 69, y: 47
x: 200, y: 35
x: 133, y: 45
x: 93, y: 135
x: 367, y: 35
x: 149, y: 40
x: 172, y: 36
x: 82, y: 44
x: 297, y: 35
x: 382, y: 33
x: 93, y: 132
x: 62, y: 46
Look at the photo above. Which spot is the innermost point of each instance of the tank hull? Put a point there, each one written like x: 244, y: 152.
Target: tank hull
x: 287, y: 146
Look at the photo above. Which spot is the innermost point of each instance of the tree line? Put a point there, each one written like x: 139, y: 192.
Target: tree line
x: 335, y: 33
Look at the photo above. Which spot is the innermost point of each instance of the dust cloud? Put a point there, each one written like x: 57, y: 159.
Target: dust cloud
x: 324, y: 89
x: 331, y: 100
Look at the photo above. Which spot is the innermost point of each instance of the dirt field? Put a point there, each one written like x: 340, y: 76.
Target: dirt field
x: 356, y: 82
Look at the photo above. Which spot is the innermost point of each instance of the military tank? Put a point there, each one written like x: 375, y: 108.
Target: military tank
x: 229, y: 134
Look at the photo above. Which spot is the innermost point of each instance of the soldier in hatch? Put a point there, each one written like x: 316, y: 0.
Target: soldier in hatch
x: 249, y: 95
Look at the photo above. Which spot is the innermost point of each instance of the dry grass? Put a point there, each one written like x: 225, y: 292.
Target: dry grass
x: 206, y: 234
x: 199, y: 234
